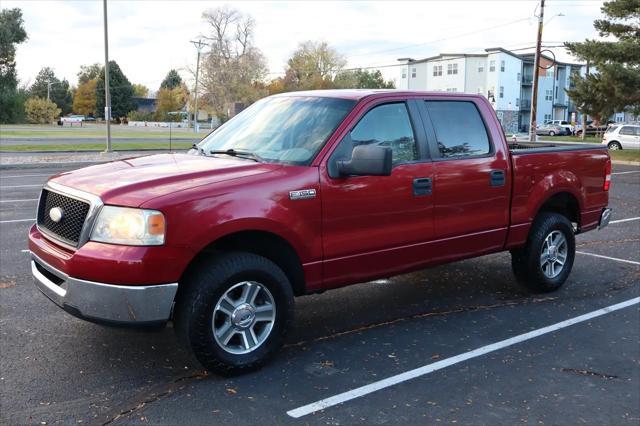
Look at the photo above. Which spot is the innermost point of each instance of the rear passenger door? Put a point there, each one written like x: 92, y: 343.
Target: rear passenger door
x: 471, y: 184
x: 630, y: 137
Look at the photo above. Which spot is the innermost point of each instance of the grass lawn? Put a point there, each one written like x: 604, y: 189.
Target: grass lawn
x: 96, y: 146
x: 97, y: 131
x: 626, y: 154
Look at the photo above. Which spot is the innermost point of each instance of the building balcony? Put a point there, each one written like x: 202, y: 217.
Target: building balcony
x: 525, y: 104
x: 559, y: 105
x: 527, y: 80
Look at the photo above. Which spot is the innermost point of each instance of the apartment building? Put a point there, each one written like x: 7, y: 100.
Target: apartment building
x: 504, y: 78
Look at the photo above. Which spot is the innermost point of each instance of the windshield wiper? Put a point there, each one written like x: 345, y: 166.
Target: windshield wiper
x: 238, y: 153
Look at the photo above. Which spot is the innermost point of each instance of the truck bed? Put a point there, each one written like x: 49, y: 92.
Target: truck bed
x: 534, y: 147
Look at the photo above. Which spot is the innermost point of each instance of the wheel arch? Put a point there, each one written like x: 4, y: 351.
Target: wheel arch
x: 263, y: 243
x: 564, y: 203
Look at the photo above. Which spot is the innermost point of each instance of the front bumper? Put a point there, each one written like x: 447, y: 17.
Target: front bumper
x: 104, y: 303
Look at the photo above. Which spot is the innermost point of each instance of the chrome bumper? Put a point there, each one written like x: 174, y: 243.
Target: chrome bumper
x: 605, y: 217
x: 104, y: 303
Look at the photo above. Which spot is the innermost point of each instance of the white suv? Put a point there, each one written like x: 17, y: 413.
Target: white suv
x: 622, y: 136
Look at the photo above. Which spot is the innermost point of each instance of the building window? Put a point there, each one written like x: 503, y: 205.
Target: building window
x: 548, y: 95
x: 480, y: 92
x: 437, y: 70
x: 404, y: 73
x: 501, y: 66
x: 452, y: 69
x: 517, y: 102
x: 518, y: 76
x: 492, y: 66
x: 502, y: 91
x: 413, y: 72
x: 481, y: 68
x: 556, y: 92
x: 451, y: 89
x: 547, y: 117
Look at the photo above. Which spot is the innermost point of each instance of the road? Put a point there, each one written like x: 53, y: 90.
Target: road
x: 57, y: 369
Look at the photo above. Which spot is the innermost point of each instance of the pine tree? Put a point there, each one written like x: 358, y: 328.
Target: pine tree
x: 615, y: 85
x: 121, y: 92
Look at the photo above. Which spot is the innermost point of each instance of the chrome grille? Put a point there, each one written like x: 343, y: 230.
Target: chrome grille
x: 74, y: 214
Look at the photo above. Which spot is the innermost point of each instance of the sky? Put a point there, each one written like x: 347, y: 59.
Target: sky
x: 148, y: 38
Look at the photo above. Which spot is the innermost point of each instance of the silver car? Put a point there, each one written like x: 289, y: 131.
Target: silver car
x: 549, y: 130
x: 622, y: 136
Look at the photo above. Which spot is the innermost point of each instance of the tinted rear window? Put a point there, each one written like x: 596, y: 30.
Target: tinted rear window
x: 460, y: 131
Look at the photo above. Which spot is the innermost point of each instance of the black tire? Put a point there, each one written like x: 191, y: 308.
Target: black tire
x: 552, y: 133
x: 201, y: 291
x: 615, y: 145
x: 526, y: 261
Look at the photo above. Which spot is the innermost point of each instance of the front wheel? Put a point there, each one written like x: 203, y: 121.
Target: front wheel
x: 544, y: 263
x: 552, y: 133
x: 234, y: 312
x: 614, y: 146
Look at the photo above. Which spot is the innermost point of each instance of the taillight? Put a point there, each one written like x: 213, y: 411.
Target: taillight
x: 607, y: 175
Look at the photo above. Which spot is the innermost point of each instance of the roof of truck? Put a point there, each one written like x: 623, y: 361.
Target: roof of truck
x: 357, y: 94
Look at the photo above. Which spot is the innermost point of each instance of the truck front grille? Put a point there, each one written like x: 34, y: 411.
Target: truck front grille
x: 74, y: 213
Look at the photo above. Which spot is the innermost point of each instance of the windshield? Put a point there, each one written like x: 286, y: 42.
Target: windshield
x: 282, y: 129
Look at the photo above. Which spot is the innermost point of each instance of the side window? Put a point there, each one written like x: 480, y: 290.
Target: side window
x: 626, y: 130
x: 459, y: 129
x: 388, y: 125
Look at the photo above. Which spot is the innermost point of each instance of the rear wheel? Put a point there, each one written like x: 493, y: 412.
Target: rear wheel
x: 552, y: 133
x: 614, y: 146
x: 544, y: 263
x: 234, y: 312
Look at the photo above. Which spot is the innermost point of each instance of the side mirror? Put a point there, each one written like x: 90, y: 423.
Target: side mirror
x: 367, y: 160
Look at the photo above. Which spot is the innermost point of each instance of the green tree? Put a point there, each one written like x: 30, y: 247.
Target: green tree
x: 40, y: 110
x: 140, y: 90
x: 171, y: 100
x: 84, y: 100
x: 313, y: 66
x: 615, y: 85
x: 121, y: 92
x: 171, y: 81
x: 362, y: 79
x: 89, y: 72
x: 233, y: 68
x: 11, y: 33
x: 59, y: 91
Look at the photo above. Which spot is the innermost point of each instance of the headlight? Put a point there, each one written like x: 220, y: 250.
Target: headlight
x: 134, y: 227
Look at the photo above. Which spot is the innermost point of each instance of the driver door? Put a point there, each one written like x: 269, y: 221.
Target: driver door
x: 374, y: 225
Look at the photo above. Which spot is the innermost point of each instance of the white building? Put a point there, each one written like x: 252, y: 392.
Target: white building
x: 503, y: 77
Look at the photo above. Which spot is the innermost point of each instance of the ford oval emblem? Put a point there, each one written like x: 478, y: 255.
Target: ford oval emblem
x: 56, y: 214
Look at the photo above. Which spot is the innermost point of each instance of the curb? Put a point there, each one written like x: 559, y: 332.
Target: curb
x: 46, y: 165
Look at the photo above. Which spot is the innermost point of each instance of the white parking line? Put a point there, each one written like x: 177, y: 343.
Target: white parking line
x: 18, y: 201
x: 625, y: 220
x: 17, y: 220
x: 22, y: 186
x: 609, y: 258
x: 429, y: 368
x: 626, y: 173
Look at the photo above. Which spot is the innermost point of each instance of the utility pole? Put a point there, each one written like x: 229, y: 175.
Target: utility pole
x: 536, y: 74
x: 199, y: 44
x: 583, y: 135
x: 107, y: 96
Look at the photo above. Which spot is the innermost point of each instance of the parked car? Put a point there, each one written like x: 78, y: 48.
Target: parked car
x: 622, y: 136
x: 306, y: 192
x: 591, y: 129
x: 565, y: 125
x: 549, y: 130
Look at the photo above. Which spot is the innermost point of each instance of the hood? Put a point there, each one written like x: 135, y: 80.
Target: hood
x: 131, y: 182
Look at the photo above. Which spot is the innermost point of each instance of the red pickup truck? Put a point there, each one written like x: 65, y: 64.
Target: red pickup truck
x: 301, y: 193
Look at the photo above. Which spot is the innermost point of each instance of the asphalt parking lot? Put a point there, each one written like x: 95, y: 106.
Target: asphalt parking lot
x: 359, y: 347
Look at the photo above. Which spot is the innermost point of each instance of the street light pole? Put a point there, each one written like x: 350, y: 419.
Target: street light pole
x: 199, y: 44
x: 536, y: 75
x: 107, y: 96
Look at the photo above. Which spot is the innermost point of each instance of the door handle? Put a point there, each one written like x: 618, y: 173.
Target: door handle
x: 422, y: 186
x: 497, y: 177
